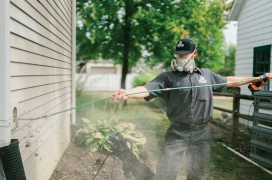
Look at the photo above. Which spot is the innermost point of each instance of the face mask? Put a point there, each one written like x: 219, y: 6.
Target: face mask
x: 182, y: 64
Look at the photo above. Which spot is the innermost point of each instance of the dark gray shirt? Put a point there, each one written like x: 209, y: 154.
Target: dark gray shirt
x: 190, y: 106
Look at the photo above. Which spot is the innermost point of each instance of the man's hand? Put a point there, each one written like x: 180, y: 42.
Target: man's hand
x: 135, y: 93
x: 119, y: 95
x: 256, y: 86
x: 265, y: 78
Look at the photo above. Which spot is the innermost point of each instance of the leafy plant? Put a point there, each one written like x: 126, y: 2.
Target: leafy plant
x: 95, y: 133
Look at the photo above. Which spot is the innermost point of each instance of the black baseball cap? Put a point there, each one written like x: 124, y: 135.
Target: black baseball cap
x: 185, y: 46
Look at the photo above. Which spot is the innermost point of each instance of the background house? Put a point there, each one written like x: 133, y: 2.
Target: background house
x: 40, y: 81
x: 102, y: 75
x: 103, y: 67
x: 254, y: 39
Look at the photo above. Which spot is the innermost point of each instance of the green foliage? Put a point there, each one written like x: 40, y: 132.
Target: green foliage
x: 203, y: 21
x: 143, y: 78
x: 228, y: 68
x: 79, y: 92
x: 122, y: 29
x: 94, y: 134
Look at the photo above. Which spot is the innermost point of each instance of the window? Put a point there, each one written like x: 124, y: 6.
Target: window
x: 261, y: 62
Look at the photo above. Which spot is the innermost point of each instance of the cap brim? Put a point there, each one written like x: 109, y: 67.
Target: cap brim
x: 182, y: 52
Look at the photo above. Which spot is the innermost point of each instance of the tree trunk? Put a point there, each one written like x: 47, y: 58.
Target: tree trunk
x: 124, y: 69
x: 129, y: 11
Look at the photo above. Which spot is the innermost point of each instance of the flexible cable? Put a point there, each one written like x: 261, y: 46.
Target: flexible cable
x: 155, y: 90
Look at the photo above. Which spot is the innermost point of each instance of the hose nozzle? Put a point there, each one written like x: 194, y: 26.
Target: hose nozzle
x: 257, y: 86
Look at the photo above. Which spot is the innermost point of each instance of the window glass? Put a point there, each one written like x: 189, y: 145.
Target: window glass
x: 261, y: 62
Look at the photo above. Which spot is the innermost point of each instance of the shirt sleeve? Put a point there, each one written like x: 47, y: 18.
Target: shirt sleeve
x: 157, y: 83
x: 218, y: 79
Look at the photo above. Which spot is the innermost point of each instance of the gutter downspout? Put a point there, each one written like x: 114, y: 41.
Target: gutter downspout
x: 73, y: 61
x: 5, y: 109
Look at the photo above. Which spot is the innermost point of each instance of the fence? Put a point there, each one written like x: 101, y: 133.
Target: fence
x: 237, y: 96
x: 261, y: 148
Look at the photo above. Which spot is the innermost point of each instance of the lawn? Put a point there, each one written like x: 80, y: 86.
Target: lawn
x: 222, y: 103
x: 153, y: 124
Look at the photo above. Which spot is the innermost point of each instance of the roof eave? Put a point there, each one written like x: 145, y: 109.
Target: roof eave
x: 235, y: 10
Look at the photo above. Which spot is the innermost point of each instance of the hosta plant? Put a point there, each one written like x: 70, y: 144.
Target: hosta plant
x: 95, y: 133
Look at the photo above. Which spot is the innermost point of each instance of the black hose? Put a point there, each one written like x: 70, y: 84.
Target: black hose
x: 12, y: 161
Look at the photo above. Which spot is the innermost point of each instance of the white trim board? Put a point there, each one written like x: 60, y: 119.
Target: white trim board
x: 5, y: 109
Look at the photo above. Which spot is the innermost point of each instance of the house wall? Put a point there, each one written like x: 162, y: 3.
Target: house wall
x: 41, y: 81
x: 103, y: 67
x: 102, y: 82
x: 254, y: 29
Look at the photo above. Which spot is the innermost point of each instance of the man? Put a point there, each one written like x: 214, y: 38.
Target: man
x: 189, y: 111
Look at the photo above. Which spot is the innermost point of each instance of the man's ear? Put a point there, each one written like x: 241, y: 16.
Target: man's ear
x: 195, y: 53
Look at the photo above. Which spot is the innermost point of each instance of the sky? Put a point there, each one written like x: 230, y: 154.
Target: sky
x: 230, y: 33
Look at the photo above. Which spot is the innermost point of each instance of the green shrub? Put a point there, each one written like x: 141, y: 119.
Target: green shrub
x: 94, y: 134
x: 143, y: 78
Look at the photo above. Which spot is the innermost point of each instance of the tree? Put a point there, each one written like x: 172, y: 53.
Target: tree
x: 228, y: 68
x: 123, y: 29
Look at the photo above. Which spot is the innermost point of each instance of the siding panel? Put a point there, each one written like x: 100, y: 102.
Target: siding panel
x: 248, y: 4
x: 255, y: 12
x: 53, y: 20
x: 55, y: 14
x: 27, y: 127
x: 252, y: 32
x: 44, y: 109
x: 39, y: 101
x: 20, y: 56
x: 33, y: 13
x: 26, y: 45
x: 68, y: 6
x: 48, y: 32
x: 67, y: 10
x: 70, y: 3
x: 246, y: 67
x: 30, y: 35
x: 37, y: 137
x: 250, y: 43
x: 26, y: 94
x: 253, y: 26
x: 247, y: 57
x: 58, y: 11
x: 41, y: 81
x: 40, y: 9
x: 62, y: 10
x: 33, y: 81
x: 256, y: 40
x: 18, y: 69
x: 46, y: 156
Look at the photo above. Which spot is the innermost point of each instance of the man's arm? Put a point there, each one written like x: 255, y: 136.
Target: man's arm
x: 246, y: 80
x: 120, y: 94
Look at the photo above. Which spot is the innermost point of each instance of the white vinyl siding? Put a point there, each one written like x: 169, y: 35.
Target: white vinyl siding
x: 254, y: 30
x: 41, y: 81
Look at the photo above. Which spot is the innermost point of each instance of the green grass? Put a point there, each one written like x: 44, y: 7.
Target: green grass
x: 222, y: 103
x: 153, y: 124
x: 224, y: 164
